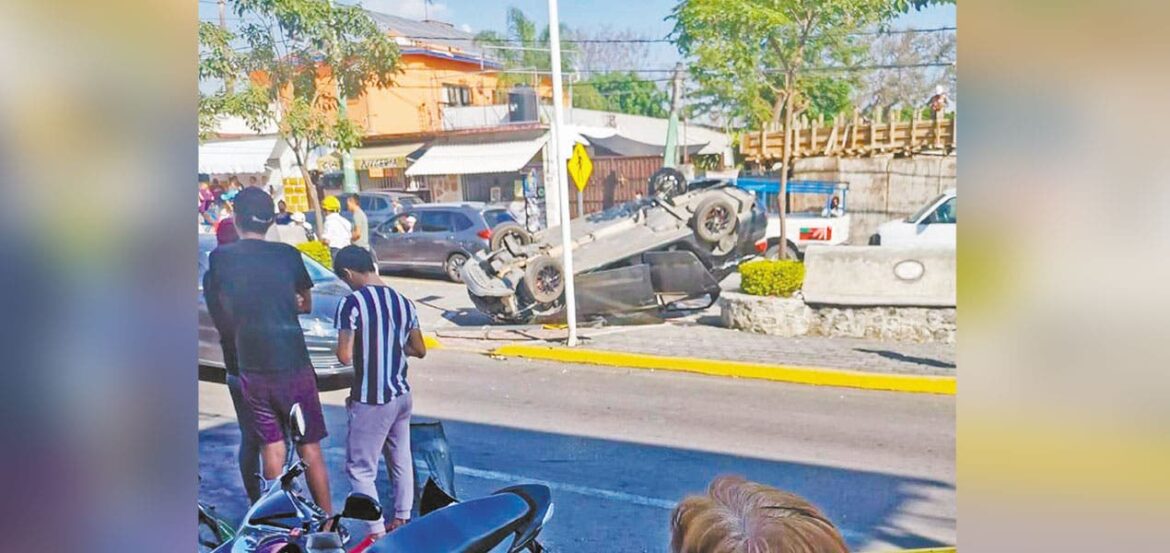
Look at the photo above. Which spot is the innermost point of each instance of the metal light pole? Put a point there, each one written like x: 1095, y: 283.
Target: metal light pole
x: 554, y: 32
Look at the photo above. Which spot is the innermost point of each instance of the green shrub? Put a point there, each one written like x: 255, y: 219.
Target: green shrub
x: 771, y: 278
x: 318, y: 251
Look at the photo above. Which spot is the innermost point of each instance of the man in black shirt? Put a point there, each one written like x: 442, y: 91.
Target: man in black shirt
x: 255, y: 290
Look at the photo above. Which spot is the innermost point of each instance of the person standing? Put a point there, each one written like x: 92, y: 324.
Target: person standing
x: 336, y: 233
x: 361, y: 224
x: 377, y: 330
x: 249, y: 451
x: 258, y: 288
x: 283, y: 217
x: 206, y: 198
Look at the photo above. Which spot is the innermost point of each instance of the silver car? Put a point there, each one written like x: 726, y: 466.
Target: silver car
x: 667, y: 251
x: 320, y: 336
x: 436, y: 237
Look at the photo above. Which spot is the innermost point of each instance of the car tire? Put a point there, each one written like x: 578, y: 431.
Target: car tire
x: 875, y: 240
x: 666, y: 182
x: 453, y: 264
x: 715, y: 219
x: 506, y: 229
x: 773, y: 252
x: 544, y: 279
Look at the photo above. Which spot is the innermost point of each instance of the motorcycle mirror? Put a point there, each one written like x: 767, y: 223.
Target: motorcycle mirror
x: 296, y: 419
x: 361, y: 507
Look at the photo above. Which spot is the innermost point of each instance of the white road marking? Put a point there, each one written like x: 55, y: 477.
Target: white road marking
x: 849, y: 535
x: 571, y: 488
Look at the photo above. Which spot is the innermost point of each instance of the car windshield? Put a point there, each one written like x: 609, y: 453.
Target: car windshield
x: 494, y: 217
x: 925, y: 209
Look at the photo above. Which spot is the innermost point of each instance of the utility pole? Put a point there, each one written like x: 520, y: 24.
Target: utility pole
x: 230, y: 82
x: 670, y: 152
x: 554, y: 31
x: 349, y: 174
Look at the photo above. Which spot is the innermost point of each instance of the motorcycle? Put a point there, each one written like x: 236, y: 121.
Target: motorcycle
x: 481, y: 525
x: 283, y: 520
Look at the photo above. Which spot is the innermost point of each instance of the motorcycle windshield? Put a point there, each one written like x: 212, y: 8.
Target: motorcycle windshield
x: 275, y: 509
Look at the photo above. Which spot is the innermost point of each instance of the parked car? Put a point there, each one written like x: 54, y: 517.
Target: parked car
x: 320, y: 336
x: 378, y: 205
x: 667, y: 252
x: 933, y: 224
x: 443, y: 237
x: 823, y: 226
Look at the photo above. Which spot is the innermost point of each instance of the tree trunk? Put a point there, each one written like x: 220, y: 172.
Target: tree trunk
x: 785, y: 160
x: 311, y: 188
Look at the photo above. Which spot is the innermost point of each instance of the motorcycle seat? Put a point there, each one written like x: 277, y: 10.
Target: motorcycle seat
x: 473, y: 526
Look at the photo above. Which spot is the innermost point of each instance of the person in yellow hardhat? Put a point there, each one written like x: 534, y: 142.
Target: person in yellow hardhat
x: 337, y: 232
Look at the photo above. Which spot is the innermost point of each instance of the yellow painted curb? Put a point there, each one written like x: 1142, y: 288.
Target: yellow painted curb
x: 432, y: 342
x: 920, y: 384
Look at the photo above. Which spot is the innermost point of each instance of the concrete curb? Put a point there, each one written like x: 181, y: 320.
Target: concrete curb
x: 919, y: 384
x: 432, y: 342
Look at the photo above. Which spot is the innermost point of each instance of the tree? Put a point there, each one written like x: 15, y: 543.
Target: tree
x: 606, y: 50
x: 295, y: 56
x: 755, y: 56
x: 905, y: 88
x: 621, y: 92
x: 523, y: 50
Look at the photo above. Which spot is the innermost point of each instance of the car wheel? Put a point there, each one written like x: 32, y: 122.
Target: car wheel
x: 544, y: 279
x: 715, y: 219
x: 504, y: 230
x: 667, y: 182
x: 875, y: 240
x: 453, y: 264
x: 773, y: 252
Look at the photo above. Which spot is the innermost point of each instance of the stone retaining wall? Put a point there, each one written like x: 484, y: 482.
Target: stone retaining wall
x: 792, y: 317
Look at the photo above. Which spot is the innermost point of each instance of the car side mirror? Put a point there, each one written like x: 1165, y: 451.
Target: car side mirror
x: 360, y: 506
x: 296, y: 421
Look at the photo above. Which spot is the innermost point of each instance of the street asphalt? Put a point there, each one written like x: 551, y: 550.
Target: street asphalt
x: 620, y: 447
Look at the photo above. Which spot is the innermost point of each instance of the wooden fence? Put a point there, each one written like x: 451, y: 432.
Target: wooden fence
x: 615, y: 180
x: 857, y: 138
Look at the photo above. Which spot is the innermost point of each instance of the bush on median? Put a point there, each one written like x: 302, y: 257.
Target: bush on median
x: 318, y: 251
x: 771, y: 278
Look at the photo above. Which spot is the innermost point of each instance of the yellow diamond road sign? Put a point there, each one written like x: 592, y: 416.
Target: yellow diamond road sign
x: 580, y: 166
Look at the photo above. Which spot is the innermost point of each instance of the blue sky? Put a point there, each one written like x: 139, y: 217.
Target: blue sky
x: 644, y: 16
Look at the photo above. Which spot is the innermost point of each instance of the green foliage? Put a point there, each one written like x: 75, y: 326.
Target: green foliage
x: 771, y: 278
x: 621, y: 92
x: 523, y: 48
x: 751, y: 58
x: 286, y: 46
x: 318, y: 251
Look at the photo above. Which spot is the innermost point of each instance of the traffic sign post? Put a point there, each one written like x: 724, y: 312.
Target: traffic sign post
x: 580, y: 167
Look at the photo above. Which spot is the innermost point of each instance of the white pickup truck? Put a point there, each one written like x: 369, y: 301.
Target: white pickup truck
x: 828, y: 225
x: 933, y: 224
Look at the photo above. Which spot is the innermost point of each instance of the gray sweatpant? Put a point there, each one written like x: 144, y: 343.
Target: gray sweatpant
x: 374, y: 431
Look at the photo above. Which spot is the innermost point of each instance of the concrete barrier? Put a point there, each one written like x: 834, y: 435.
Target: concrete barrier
x: 880, y: 276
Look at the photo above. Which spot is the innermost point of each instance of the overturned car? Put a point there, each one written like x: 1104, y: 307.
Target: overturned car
x: 666, y: 251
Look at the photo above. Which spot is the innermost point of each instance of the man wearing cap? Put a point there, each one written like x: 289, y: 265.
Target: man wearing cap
x: 337, y: 233
x: 255, y: 290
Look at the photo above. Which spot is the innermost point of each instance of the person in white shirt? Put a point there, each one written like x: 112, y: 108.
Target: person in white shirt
x: 337, y: 232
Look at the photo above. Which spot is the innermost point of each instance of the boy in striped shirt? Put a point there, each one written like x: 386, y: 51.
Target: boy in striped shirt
x: 377, y: 330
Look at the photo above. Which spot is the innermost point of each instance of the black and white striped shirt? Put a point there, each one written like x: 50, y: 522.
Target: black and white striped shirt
x: 381, y: 320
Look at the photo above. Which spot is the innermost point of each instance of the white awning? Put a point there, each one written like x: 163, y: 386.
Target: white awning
x: 249, y: 155
x: 470, y: 159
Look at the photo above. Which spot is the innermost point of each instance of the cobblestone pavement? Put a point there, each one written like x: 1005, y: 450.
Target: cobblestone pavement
x: 708, y: 342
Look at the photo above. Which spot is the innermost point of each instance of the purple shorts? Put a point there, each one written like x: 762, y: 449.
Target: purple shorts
x: 270, y: 397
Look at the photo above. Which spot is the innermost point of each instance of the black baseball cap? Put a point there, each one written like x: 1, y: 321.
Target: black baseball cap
x: 254, y: 211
